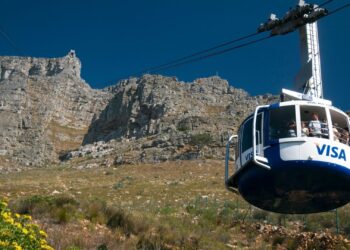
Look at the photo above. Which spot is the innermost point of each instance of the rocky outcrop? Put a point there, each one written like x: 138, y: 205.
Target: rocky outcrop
x: 45, y: 107
x: 47, y: 112
x: 156, y: 118
x: 155, y: 105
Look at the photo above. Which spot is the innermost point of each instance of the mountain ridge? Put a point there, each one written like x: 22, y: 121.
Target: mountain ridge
x: 48, y: 112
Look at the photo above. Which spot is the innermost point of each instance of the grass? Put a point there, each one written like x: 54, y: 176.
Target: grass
x: 65, y: 138
x: 171, y: 205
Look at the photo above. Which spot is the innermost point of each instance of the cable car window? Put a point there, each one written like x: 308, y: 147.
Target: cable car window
x: 314, y: 121
x: 258, y: 127
x: 282, y: 123
x: 340, y: 127
x: 247, y: 139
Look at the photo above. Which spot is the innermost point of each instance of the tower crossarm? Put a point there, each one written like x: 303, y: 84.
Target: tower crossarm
x: 302, y: 17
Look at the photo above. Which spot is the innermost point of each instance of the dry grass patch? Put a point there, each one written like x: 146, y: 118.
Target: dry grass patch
x: 170, y: 205
x: 65, y: 138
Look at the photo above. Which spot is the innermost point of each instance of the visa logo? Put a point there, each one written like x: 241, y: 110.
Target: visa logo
x: 248, y: 156
x: 333, y: 152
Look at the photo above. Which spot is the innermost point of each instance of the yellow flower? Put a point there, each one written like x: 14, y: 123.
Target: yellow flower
x: 28, y: 217
x: 9, y: 220
x: 3, y: 243
x: 19, y: 225
x: 16, y: 246
x: 5, y: 215
x: 46, y: 247
x: 32, y: 225
x: 25, y: 230
x: 42, y: 233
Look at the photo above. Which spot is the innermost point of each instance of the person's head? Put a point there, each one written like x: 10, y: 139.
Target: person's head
x: 291, y: 124
x: 314, y: 116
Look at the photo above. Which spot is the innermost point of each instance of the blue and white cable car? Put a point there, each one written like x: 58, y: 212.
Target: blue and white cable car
x: 294, y: 156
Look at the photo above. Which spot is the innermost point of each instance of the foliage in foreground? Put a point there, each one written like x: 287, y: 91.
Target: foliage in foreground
x: 18, y: 232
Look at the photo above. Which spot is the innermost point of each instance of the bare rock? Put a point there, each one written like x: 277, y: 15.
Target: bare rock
x: 45, y: 107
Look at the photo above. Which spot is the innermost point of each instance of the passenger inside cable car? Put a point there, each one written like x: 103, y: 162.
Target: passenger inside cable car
x: 313, y: 123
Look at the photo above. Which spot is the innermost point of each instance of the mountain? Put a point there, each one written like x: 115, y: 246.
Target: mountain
x: 45, y: 108
x: 48, y: 112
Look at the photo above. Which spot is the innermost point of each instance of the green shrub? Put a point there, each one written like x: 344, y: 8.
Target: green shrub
x: 117, y: 218
x: 182, y: 127
x: 118, y: 185
x: 208, y: 211
x: 62, y: 215
x: 60, y: 208
x: 33, y: 205
x: 149, y: 244
x: 167, y: 210
x: 259, y: 214
x: 201, y: 140
x: 73, y: 248
x: 17, y: 232
x: 63, y: 200
x: 95, y: 211
x: 316, y: 222
x: 102, y: 247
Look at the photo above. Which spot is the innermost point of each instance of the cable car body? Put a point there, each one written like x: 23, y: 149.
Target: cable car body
x: 294, y: 156
x: 283, y: 169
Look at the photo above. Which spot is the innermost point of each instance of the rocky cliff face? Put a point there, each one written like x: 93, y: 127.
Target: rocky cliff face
x: 47, y: 111
x: 45, y: 108
x: 155, y: 105
x: 156, y: 118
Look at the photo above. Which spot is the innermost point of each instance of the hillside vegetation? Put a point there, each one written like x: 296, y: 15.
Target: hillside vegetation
x: 173, y: 205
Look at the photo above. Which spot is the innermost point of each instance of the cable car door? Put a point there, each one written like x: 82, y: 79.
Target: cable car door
x: 259, y: 133
x: 247, y: 139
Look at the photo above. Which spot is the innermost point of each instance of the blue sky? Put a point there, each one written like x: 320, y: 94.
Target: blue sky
x: 116, y: 39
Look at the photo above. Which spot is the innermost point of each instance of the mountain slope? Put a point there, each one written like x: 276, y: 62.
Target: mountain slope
x: 47, y: 110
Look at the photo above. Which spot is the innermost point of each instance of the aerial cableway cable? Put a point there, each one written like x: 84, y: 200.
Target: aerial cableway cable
x: 204, y: 54
x: 213, y: 53
x: 324, y: 3
x: 176, y: 61
x: 10, y: 41
x: 201, y: 55
x: 181, y: 60
x: 338, y: 9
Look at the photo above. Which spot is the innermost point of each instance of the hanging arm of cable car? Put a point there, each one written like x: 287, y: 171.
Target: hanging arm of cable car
x: 299, y: 96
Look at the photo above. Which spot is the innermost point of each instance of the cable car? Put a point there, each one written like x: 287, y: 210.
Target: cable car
x: 294, y: 156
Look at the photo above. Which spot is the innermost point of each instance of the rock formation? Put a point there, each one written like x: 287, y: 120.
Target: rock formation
x: 45, y: 107
x: 156, y: 118
x: 48, y: 112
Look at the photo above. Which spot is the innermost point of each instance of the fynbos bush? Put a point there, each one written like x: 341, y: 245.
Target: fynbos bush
x: 201, y: 140
x: 17, y: 232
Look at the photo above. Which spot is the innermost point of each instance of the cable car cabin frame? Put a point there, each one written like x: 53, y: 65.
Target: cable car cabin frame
x: 287, y: 171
